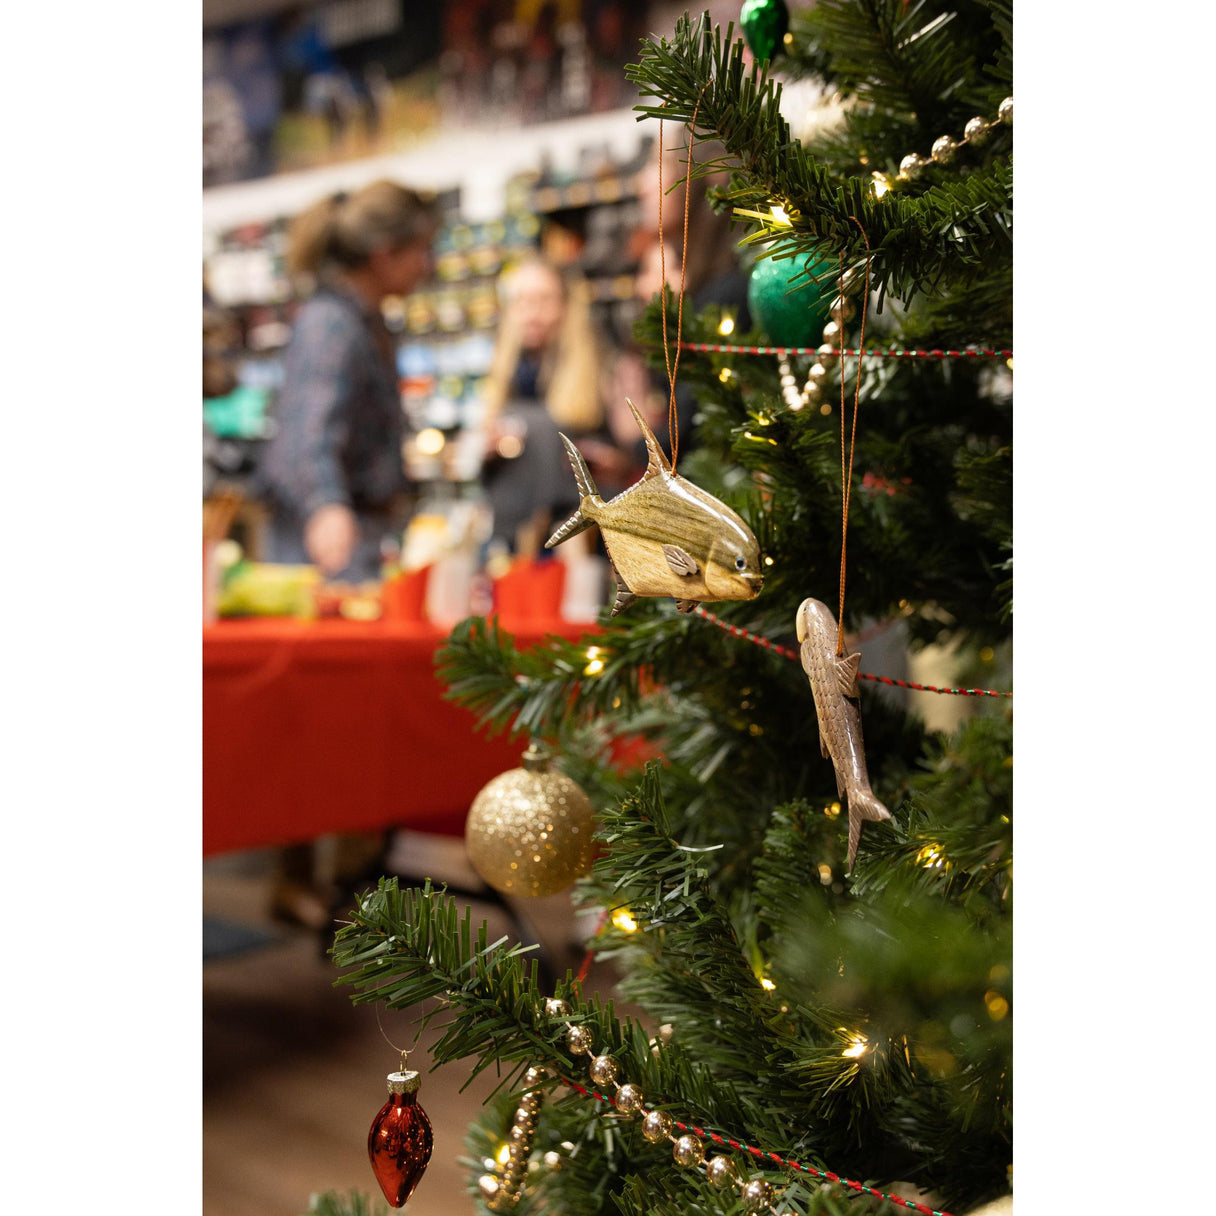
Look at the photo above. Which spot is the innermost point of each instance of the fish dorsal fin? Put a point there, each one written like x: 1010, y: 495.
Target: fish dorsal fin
x: 681, y: 561
x: 658, y: 462
x: 846, y: 673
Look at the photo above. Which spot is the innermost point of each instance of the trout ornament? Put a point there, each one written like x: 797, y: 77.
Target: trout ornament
x: 665, y: 536
x: 833, y: 680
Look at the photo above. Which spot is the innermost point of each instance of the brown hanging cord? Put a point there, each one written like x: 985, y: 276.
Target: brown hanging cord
x: 673, y: 422
x: 846, y: 479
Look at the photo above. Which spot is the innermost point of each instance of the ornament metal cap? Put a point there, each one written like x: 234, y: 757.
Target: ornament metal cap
x: 404, y: 1082
x: 536, y: 758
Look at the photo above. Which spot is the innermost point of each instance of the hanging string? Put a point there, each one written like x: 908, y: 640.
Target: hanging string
x: 673, y: 422
x: 847, y: 479
x: 402, y: 1050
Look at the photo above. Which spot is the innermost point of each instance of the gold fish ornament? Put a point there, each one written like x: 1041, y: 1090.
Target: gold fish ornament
x: 833, y: 680
x: 666, y: 536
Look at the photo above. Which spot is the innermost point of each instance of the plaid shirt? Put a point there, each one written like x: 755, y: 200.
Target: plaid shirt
x: 339, y: 419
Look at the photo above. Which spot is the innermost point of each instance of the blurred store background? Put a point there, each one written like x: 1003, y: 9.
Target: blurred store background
x: 516, y: 116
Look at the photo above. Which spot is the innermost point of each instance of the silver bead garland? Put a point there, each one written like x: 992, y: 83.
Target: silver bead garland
x: 688, y: 1150
x: 842, y: 309
x: 502, y: 1191
x: 945, y: 147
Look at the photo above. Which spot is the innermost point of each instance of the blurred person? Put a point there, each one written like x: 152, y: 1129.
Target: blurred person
x: 712, y: 275
x: 333, y: 472
x: 545, y: 377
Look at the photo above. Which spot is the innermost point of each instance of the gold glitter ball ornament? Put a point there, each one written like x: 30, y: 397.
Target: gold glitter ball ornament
x: 721, y: 1172
x: 528, y: 832
x: 656, y: 1126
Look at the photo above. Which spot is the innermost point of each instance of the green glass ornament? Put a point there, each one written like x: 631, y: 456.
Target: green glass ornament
x: 764, y: 23
x: 790, y: 318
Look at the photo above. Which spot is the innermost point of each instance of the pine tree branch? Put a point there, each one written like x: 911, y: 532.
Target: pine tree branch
x: 949, y: 234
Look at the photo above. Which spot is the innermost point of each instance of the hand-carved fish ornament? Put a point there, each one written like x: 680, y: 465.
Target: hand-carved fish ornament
x: 833, y: 680
x: 666, y: 536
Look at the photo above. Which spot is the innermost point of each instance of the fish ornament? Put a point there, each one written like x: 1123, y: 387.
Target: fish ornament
x: 833, y: 680
x: 666, y: 536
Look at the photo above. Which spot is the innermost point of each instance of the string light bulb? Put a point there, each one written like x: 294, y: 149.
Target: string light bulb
x: 780, y: 216
x: 931, y: 857
x: 623, y: 921
x: 726, y: 326
x: 594, y: 663
x: 882, y: 183
x: 858, y: 1043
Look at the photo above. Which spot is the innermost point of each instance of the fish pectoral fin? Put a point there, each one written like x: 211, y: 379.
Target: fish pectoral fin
x: 687, y: 605
x: 846, y: 673
x: 681, y: 561
x: 577, y: 523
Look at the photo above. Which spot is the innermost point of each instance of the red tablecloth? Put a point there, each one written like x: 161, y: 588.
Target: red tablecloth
x: 313, y: 727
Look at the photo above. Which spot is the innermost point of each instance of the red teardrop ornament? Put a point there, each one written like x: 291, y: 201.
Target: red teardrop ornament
x: 400, y: 1141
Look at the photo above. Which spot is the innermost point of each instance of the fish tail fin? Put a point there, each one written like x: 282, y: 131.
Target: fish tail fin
x: 578, y: 522
x: 582, y: 474
x: 863, y: 806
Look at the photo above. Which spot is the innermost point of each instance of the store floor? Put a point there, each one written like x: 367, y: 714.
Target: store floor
x: 293, y: 1072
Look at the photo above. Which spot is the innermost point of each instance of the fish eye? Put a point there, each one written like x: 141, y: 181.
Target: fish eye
x: 740, y: 563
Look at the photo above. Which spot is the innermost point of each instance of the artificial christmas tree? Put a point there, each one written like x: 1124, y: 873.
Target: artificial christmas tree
x: 813, y: 1036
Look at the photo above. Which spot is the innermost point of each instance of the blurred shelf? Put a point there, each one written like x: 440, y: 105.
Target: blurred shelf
x: 477, y: 162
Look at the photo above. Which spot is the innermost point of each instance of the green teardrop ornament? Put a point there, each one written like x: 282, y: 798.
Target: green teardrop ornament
x: 764, y: 23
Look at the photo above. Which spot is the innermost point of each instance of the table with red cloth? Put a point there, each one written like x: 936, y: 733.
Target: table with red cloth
x: 325, y: 726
